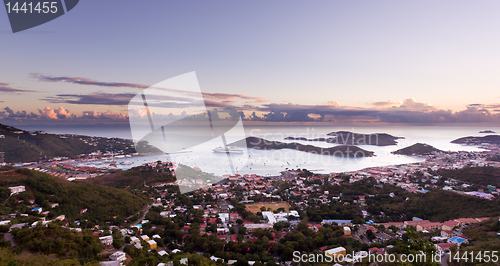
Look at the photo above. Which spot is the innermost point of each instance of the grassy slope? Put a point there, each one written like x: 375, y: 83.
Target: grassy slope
x: 102, y: 202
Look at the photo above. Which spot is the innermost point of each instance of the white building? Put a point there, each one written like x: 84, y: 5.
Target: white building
x: 118, y: 256
x: 17, y: 189
x: 106, y: 240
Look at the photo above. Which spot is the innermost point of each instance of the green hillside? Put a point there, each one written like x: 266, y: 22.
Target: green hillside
x: 25, y: 146
x: 102, y: 202
x: 136, y: 177
x: 417, y: 149
x: 482, y: 176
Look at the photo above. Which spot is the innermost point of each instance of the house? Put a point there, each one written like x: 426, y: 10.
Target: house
x: 37, y: 209
x: 338, y: 222
x: 184, y: 261
x: 458, y: 240
x: 106, y: 240
x: 449, y: 225
x: 82, y: 211
x: 376, y: 250
x: 110, y: 263
x: 347, y: 231
x: 53, y: 205
x: 463, y: 221
x: 387, y: 225
x: 145, y: 238
x: 415, y: 223
x: 428, y: 226
x: 371, y: 228
x: 118, y: 256
x: 17, y: 189
x: 443, y: 247
x: 152, y: 244
x: 162, y: 253
x: 448, y: 233
x: 361, y: 199
x: 335, y: 252
x: 134, y: 240
x: 61, y: 217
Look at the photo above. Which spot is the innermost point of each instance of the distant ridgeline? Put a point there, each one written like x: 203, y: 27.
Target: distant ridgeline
x: 342, y: 150
x: 351, y: 138
x: 417, y: 149
x: 492, y: 139
x: 24, y: 146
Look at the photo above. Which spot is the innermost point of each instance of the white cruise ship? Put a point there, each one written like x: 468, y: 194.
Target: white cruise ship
x: 230, y: 149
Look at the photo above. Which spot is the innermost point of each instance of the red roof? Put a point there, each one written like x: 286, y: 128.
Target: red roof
x: 323, y: 248
x: 446, y: 245
x: 378, y: 250
x: 234, y: 238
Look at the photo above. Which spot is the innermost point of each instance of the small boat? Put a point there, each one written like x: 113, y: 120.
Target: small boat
x: 126, y: 163
x: 230, y: 149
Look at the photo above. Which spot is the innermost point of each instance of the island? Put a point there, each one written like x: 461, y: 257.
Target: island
x: 491, y: 139
x: 376, y: 139
x: 341, y: 150
x: 487, y: 132
x: 417, y: 149
x: 351, y: 138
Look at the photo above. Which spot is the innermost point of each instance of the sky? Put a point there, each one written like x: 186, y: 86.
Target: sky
x: 330, y: 62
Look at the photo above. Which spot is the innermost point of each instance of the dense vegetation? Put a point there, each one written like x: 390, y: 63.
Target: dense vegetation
x: 9, y: 257
x: 417, y: 149
x: 54, y: 239
x: 29, y: 147
x: 451, y: 206
x: 351, y: 138
x: 136, y: 177
x: 102, y: 202
x: 494, y: 139
x: 482, y: 176
x: 342, y: 150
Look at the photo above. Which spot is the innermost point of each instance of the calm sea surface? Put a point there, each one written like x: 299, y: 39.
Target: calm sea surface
x: 271, y: 162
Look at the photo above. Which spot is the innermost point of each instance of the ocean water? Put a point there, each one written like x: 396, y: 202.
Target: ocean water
x: 271, y: 162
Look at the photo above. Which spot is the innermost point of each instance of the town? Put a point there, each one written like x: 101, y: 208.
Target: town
x: 255, y: 220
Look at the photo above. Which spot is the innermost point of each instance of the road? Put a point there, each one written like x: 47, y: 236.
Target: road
x: 8, y: 237
x: 444, y: 259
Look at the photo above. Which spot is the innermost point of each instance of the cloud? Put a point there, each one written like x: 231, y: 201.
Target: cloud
x: 49, y: 114
x: 88, y: 81
x: 9, y: 114
x: 5, y: 87
x: 411, y: 105
x: 59, y: 113
x: 408, y: 112
x: 385, y: 104
x: 108, y: 115
x: 96, y: 98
